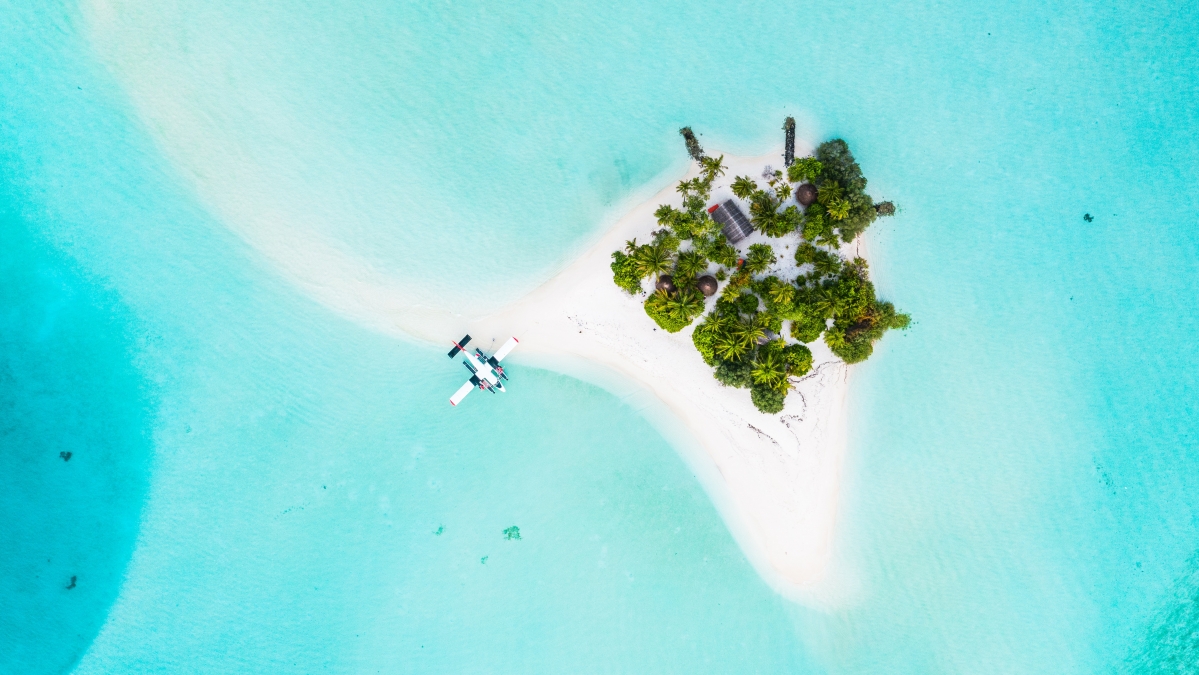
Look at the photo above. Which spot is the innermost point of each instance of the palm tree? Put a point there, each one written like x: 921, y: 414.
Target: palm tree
x: 652, y: 259
x: 827, y: 265
x: 727, y: 348
x: 685, y: 305
x: 724, y: 342
x: 666, y: 215
x: 713, y: 168
x: 630, y: 246
x: 781, y: 293
x: 760, y: 258
x: 828, y: 191
x: 686, y: 186
x: 824, y: 301
x: 744, y: 186
x: 838, y: 209
x: 827, y: 237
x: 690, y: 264
x: 769, y: 369
x: 834, y: 338
x: 747, y: 334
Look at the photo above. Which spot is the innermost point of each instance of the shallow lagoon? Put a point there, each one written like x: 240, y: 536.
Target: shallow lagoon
x: 1021, y: 487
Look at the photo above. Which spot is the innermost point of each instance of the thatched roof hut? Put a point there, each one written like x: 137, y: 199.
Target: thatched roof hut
x: 706, y: 285
x: 805, y: 194
x: 665, y: 283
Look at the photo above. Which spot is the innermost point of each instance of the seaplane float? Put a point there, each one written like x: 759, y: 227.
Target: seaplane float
x: 485, y: 371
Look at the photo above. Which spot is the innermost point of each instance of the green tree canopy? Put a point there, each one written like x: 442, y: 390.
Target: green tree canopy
x: 759, y: 258
x: 712, y: 168
x: 768, y: 399
x: 804, y: 170
x: 626, y: 273
x: 744, y: 187
x: 770, y: 369
x: 690, y: 264
x: 799, y: 360
x: 653, y: 259
x: 840, y: 167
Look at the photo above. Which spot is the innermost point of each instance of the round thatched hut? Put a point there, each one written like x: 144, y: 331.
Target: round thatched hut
x: 706, y: 285
x: 665, y: 283
x: 805, y: 194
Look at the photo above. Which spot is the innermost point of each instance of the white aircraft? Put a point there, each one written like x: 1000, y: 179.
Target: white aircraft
x: 485, y: 371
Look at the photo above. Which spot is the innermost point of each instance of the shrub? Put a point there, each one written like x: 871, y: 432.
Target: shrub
x: 804, y: 170
x: 855, y: 335
x: 782, y: 223
x: 776, y: 293
x: 735, y: 373
x: 703, y: 338
x: 658, y: 308
x: 768, y: 399
x: 717, y: 249
x: 805, y: 253
x: 824, y: 262
x: 666, y: 240
x: 760, y: 258
x: 746, y: 303
x: 723, y: 253
x: 771, y: 321
x: 818, y: 227
x: 807, y: 328
x: 625, y: 272
x: 837, y: 163
x: 849, y: 352
x: 860, y: 319
x: 798, y: 358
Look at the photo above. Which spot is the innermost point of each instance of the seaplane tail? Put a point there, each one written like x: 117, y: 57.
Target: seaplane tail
x: 485, y: 371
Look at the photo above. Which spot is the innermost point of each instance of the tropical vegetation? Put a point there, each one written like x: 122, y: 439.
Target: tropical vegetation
x: 743, y: 336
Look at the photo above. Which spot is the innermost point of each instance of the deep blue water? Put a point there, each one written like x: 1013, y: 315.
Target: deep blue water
x: 256, y: 483
x: 75, y: 451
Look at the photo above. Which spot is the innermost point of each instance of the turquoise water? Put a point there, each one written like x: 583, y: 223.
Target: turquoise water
x: 256, y: 484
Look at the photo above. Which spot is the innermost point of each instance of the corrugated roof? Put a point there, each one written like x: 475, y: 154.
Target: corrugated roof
x: 734, y: 223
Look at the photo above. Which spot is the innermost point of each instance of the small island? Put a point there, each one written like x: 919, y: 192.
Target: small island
x: 745, y: 272
x: 755, y: 333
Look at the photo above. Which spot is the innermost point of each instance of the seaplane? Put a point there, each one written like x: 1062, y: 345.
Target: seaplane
x: 485, y: 371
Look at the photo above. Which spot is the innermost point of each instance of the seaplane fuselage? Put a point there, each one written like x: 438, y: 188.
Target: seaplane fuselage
x: 485, y: 371
x: 489, y: 376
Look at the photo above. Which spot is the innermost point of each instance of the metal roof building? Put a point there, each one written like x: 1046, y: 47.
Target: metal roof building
x: 734, y: 223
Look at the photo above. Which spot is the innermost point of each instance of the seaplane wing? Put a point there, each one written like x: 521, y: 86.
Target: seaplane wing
x: 461, y: 393
x: 506, y: 349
